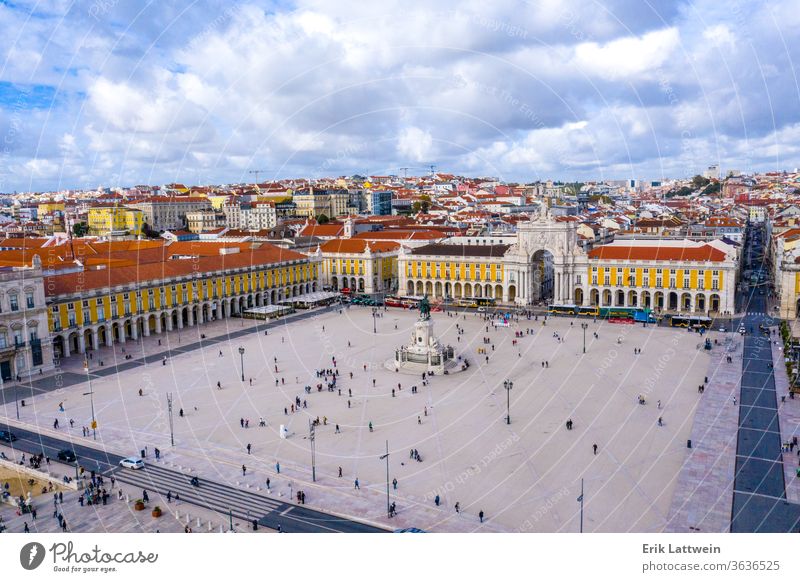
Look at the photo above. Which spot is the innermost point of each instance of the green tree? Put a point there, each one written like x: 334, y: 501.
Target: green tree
x: 80, y: 229
x: 422, y: 205
x: 699, y: 181
x: 323, y: 219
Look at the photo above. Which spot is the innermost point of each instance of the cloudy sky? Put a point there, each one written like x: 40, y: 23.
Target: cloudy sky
x: 117, y: 93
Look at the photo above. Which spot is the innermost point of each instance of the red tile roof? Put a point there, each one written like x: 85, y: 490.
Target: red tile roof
x: 143, y: 273
x: 657, y: 253
x: 358, y: 246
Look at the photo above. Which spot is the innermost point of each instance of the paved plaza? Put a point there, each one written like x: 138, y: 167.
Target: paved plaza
x: 524, y: 476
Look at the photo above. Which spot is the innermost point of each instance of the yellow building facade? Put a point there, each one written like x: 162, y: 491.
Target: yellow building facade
x: 115, y: 221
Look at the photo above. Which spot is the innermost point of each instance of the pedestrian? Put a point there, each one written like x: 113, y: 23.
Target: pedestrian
x: 26, y: 529
x: 169, y: 496
x: 436, y: 500
x: 145, y: 496
x: 278, y: 468
x: 594, y: 448
x: 370, y: 426
x: 480, y: 515
x: 458, y: 507
x: 660, y: 423
x: 267, y: 483
x: 244, y: 470
x: 248, y: 448
x: 394, y: 483
x: 356, y: 485
x: 337, y: 429
x: 340, y: 471
x: 659, y: 405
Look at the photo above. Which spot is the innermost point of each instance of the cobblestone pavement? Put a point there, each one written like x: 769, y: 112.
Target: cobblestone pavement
x: 525, y: 476
x: 118, y: 516
x: 703, y: 497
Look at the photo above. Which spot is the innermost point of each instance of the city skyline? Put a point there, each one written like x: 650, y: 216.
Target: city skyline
x: 108, y: 94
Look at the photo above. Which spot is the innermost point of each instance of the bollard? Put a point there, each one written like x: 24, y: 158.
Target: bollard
x: 221, y: 529
x: 199, y: 523
x: 210, y: 526
x: 127, y: 498
x: 177, y: 515
x: 188, y: 519
x: 689, y: 443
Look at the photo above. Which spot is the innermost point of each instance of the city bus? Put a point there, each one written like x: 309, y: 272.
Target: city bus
x: 475, y: 302
x: 632, y: 313
x: 693, y: 321
x: 404, y: 301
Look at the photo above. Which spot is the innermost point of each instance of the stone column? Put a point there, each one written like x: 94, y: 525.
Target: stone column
x: 81, y: 343
x: 95, y: 339
x: 158, y: 324
x: 109, y: 339
x: 65, y: 343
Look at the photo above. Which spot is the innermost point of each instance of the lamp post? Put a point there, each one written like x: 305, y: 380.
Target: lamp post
x: 241, y: 355
x: 584, y: 326
x: 388, y: 503
x: 312, y: 439
x: 171, y: 427
x: 90, y: 394
x: 580, y: 500
x: 508, y: 385
x: 374, y: 325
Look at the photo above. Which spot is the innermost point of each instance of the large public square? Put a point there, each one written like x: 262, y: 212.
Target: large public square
x: 524, y: 476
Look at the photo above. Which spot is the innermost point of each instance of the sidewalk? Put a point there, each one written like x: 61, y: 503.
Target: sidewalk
x: 703, y: 498
x: 789, y: 418
x: 118, y: 516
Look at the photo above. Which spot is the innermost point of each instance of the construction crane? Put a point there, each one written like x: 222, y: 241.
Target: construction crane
x: 256, y: 172
x: 405, y: 172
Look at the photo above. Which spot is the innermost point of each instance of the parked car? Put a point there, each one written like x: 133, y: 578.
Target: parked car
x: 66, y: 455
x: 132, y: 463
x: 7, y: 436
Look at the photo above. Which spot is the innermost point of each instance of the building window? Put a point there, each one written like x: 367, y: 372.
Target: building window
x: 3, y: 339
x: 29, y: 299
x: 14, y: 302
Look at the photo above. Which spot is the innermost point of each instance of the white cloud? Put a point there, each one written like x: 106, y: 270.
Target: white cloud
x: 414, y: 144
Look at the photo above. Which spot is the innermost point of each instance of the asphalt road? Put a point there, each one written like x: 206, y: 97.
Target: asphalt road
x: 225, y: 500
x: 759, y: 492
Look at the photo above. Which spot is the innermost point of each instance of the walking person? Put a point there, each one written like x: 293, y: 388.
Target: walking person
x: 356, y: 485
x: 594, y: 448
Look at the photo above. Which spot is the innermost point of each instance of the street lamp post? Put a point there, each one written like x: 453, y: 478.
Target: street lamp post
x: 584, y: 326
x: 580, y: 500
x: 90, y: 394
x: 171, y: 427
x: 388, y: 503
x: 312, y: 439
x: 374, y: 325
x: 508, y: 385
x: 241, y: 355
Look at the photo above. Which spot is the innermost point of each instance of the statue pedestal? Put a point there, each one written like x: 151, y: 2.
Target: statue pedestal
x: 424, y: 353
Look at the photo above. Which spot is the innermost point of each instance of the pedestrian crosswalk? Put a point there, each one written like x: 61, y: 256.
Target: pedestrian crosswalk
x: 224, y: 499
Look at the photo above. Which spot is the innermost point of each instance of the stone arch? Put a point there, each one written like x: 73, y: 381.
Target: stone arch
x: 578, y: 294
x: 645, y: 299
x: 498, y: 292
x: 457, y: 290
x: 607, y: 297
x: 512, y: 292
x: 658, y: 300
x: 467, y: 290
x: 428, y: 288
x: 420, y: 288
x: 620, y: 298
x: 686, y: 301
x: 594, y: 297
x: 437, y: 289
x: 448, y: 291
x: 633, y: 299
x: 700, y: 302
x: 714, y: 303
